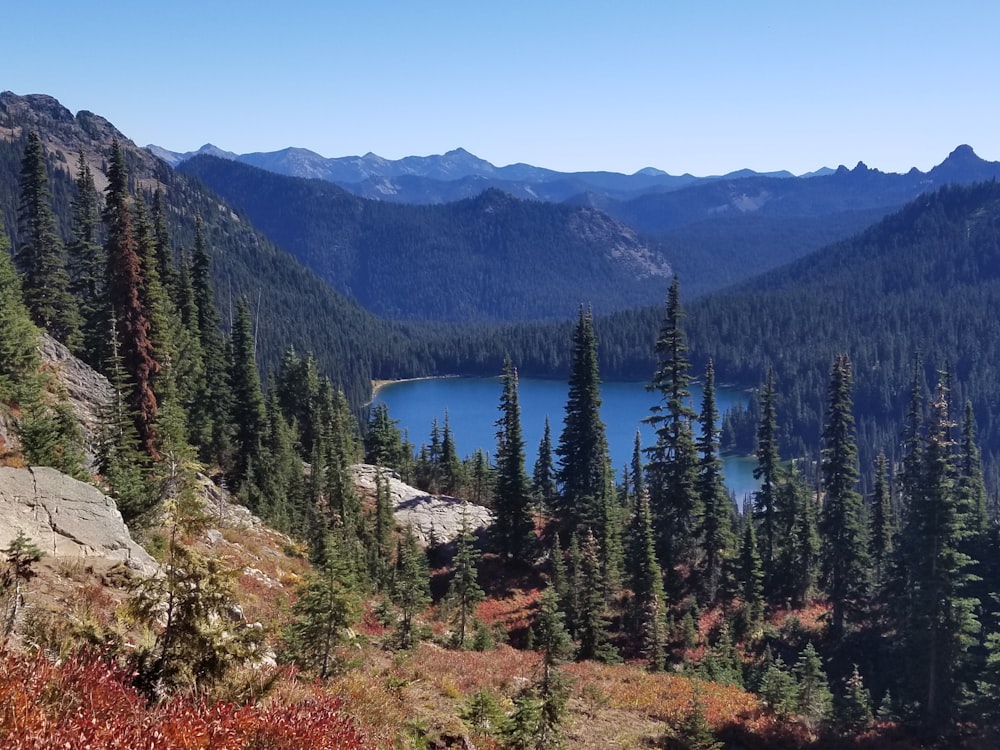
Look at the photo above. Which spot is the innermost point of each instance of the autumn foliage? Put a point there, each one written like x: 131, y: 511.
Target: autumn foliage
x: 87, y: 704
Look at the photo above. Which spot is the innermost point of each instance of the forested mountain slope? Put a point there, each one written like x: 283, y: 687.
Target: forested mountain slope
x: 923, y: 282
x: 293, y: 307
x: 490, y: 258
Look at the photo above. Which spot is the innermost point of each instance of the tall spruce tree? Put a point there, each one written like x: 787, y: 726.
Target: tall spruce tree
x: 18, y: 335
x: 942, y: 624
x: 799, y: 569
x: 768, y: 465
x: 464, y: 591
x: 752, y: 580
x: 132, y: 320
x: 514, y: 525
x: 881, y: 540
x: 583, y: 450
x: 716, y: 528
x: 646, y: 581
x: 845, y: 556
x: 543, y: 478
x: 248, y: 402
x: 673, y: 461
x: 40, y: 252
x: 211, y: 428
x: 87, y: 267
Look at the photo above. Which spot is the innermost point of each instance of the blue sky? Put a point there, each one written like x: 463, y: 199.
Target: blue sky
x: 702, y: 87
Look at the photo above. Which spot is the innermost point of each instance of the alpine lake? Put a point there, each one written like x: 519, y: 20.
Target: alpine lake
x: 472, y: 408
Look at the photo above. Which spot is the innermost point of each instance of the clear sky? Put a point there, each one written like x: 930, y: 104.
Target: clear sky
x: 701, y: 87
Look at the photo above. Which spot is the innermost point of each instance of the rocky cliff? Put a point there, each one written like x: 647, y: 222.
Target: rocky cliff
x: 66, y: 518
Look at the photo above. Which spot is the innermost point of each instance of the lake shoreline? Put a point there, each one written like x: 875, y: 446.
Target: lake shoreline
x: 378, y: 385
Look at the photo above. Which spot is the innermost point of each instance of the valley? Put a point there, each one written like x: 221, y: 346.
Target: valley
x: 805, y: 557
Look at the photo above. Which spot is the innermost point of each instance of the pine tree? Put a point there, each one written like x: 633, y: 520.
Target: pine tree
x: 248, y: 401
x: 854, y: 709
x: 326, y: 607
x: 646, y: 580
x: 210, y: 415
x: 87, y: 267
x: 40, y: 253
x: 593, y: 625
x: 132, y: 323
x: 383, y: 440
x: 18, y: 335
x: 881, y: 541
x: 673, y: 461
x: 845, y: 557
x: 543, y: 479
x: 768, y: 464
x: 514, y: 525
x: 411, y: 586
x: 942, y: 623
x: 752, y: 580
x: 716, y: 529
x: 815, y: 701
x: 19, y: 559
x: 801, y: 557
x: 583, y: 449
x: 551, y: 687
x: 464, y: 593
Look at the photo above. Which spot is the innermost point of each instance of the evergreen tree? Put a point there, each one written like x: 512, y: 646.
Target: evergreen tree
x: 752, y: 580
x: 543, y: 480
x: 593, y: 625
x: 18, y: 335
x: 451, y: 466
x: 768, y: 463
x: 464, y: 593
x: 942, y: 624
x: 673, y: 461
x: 87, y: 267
x: 854, y: 709
x: 583, y: 450
x: 845, y: 556
x: 383, y: 440
x: 815, y: 701
x: 210, y: 415
x: 132, y: 323
x: 19, y: 558
x: 551, y: 687
x: 514, y: 525
x: 40, y: 252
x: 248, y: 402
x: 638, y: 470
x: 646, y: 580
x: 411, y: 586
x: 802, y: 549
x: 326, y: 607
x: 716, y: 529
x: 881, y: 541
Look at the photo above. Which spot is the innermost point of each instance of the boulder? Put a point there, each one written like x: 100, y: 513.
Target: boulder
x: 436, y: 519
x: 66, y: 518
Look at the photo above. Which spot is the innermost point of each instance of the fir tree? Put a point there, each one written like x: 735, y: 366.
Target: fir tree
x: 514, y: 525
x: 593, y: 625
x: 845, y: 556
x: 673, y: 461
x: 881, y: 540
x: 326, y: 607
x: 802, y: 549
x: 815, y: 701
x: 40, y: 252
x: 551, y: 687
x: 132, y: 323
x: 583, y: 450
x: 543, y: 479
x: 248, y: 401
x: 768, y: 463
x: 210, y: 415
x: 716, y: 529
x: 854, y: 709
x: 87, y: 267
x: 646, y: 581
x: 383, y: 440
x: 464, y: 593
x: 942, y: 624
x: 752, y: 580
x: 18, y: 335
x: 411, y: 587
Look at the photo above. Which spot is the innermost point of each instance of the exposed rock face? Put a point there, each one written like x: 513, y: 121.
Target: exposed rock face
x: 87, y: 391
x: 66, y: 518
x: 436, y: 519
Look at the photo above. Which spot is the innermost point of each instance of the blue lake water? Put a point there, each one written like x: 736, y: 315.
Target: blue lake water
x: 472, y: 406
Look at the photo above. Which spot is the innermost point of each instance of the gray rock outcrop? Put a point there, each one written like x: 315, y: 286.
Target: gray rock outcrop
x: 66, y: 518
x: 436, y: 519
